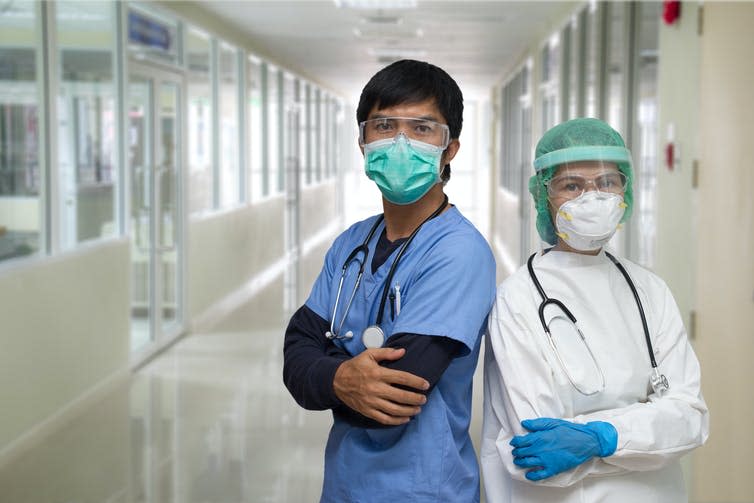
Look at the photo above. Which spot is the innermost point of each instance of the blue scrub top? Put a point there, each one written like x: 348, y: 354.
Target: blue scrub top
x: 447, y: 286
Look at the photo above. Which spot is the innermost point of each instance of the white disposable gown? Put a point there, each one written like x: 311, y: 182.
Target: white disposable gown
x: 523, y: 380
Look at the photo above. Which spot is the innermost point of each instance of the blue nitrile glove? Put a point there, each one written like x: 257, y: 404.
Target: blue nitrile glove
x: 555, y: 445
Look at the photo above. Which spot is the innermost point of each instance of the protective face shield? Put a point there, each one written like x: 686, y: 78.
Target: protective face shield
x: 569, y: 143
x: 402, y: 155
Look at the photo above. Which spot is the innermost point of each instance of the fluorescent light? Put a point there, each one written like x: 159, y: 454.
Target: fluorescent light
x: 381, y: 19
x: 375, y: 4
x: 387, y: 33
x: 397, y: 53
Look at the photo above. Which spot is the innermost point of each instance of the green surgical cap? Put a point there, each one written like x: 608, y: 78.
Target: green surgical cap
x: 576, y: 140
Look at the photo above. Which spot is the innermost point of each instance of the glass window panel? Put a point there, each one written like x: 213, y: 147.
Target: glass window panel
x: 166, y: 186
x: 200, y: 147
x: 272, y: 129
x: 326, y: 136
x: 592, y: 54
x: 330, y: 136
x: 297, y: 130
x: 255, y: 136
x: 521, y: 166
x: 288, y: 147
x: 517, y: 132
x: 565, y: 72
x: 516, y: 145
x: 20, y: 164
x: 550, y: 81
x: 229, y: 148
x: 575, y: 70
x: 140, y: 158
x: 524, y: 170
x: 304, y: 148
x: 152, y: 35
x: 616, y: 65
x: 321, y: 135
x: 505, y: 127
x: 316, y: 136
x: 645, y: 142
x: 511, y: 111
x: 513, y: 131
x: 86, y: 121
x: 334, y: 108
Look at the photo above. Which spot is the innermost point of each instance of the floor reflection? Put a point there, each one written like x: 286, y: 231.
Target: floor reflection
x: 209, y: 420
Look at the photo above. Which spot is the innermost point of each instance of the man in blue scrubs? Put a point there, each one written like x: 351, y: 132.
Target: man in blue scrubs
x: 389, y: 336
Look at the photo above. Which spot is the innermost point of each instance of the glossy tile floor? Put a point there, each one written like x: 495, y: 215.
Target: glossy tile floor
x: 208, y: 420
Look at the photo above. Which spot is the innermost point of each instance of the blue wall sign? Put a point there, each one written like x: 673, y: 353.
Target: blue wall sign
x: 146, y: 31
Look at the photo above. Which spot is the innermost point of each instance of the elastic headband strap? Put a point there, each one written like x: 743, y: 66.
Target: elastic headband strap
x: 582, y: 153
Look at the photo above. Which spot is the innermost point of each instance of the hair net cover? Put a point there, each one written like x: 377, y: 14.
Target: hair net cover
x: 583, y: 139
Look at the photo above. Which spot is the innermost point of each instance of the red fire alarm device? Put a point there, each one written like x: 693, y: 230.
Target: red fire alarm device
x: 670, y: 155
x: 671, y: 11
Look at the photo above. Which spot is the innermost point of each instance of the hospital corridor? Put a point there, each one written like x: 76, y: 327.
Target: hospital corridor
x: 173, y: 174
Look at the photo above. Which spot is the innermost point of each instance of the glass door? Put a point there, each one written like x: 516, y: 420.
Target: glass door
x: 156, y: 222
x: 292, y: 163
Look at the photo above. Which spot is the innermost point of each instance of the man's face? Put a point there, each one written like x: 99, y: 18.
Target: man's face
x: 425, y: 110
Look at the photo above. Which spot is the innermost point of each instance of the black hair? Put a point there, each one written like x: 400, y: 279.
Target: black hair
x: 410, y: 81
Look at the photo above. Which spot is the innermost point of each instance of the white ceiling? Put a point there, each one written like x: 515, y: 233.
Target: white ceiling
x: 341, y: 47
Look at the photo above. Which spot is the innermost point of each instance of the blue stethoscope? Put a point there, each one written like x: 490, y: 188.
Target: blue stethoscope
x: 658, y: 381
x: 373, y: 336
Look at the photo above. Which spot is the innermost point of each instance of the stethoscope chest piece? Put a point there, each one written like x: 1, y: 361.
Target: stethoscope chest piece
x: 373, y: 337
x: 658, y: 381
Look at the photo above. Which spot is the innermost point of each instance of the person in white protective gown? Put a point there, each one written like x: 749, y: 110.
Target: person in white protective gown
x: 605, y: 417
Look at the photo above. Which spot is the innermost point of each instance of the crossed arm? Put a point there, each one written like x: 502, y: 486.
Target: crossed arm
x: 650, y: 433
x: 377, y: 388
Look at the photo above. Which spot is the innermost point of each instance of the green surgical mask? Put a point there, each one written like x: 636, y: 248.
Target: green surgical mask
x: 403, y: 169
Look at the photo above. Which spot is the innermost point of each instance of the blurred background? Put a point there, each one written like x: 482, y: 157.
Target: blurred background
x: 172, y: 173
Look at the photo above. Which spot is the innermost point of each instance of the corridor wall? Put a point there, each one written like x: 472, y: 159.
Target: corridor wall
x: 64, y: 337
x: 724, y: 250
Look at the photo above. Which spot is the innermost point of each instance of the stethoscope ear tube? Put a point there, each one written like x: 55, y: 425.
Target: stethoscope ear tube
x: 362, y: 248
x: 644, y: 324
x: 658, y: 381
x: 374, y: 332
x: 548, y: 301
x: 545, y: 299
x: 394, y: 266
x: 530, y: 266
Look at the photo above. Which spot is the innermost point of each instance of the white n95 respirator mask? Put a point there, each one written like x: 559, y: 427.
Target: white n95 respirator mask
x: 587, y: 222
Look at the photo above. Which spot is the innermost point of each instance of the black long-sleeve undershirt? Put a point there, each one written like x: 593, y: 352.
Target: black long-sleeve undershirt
x: 311, y: 360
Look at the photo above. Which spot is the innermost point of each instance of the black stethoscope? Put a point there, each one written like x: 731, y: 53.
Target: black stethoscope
x: 658, y: 381
x: 373, y: 336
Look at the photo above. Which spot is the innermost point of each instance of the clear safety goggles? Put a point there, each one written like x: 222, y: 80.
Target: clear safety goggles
x: 422, y: 130
x: 570, y: 185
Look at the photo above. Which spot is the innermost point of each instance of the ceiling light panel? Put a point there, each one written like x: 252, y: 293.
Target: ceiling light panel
x: 397, y: 53
x: 382, y: 20
x: 384, y: 33
x: 375, y: 4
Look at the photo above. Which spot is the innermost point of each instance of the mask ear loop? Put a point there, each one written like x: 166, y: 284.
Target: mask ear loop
x: 445, y: 173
